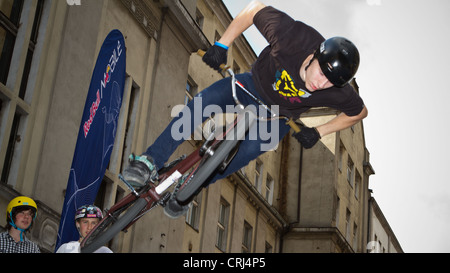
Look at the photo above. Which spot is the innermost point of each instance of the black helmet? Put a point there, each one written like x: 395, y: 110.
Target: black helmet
x: 339, y: 60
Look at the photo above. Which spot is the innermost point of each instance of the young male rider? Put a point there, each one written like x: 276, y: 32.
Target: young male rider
x: 298, y: 70
x: 86, y: 218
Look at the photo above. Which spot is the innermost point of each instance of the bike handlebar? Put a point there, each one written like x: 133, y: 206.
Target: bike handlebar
x: 289, y: 121
x: 201, y: 53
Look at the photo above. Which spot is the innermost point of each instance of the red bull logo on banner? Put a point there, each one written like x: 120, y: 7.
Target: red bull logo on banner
x: 113, y: 60
x: 93, y: 111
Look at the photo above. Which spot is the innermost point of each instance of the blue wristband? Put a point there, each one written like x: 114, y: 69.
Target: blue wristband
x: 221, y: 45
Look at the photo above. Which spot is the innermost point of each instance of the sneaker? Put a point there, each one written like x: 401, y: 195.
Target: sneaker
x: 174, y: 210
x: 140, y: 171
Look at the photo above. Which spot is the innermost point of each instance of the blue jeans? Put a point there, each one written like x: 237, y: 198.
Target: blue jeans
x: 220, y: 94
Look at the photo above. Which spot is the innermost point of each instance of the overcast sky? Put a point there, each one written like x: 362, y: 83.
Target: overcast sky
x: 403, y: 79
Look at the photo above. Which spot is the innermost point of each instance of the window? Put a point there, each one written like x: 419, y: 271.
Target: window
x: 374, y: 246
x: 133, y: 105
x: 338, y: 208
x: 199, y: 19
x: 357, y: 184
x: 127, y: 119
x: 258, y: 175
x: 126, y: 126
x: 268, y: 248
x: 350, y: 170
x: 341, y: 156
x: 355, y: 237
x: 13, y: 117
x: 10, y: 12
x: 193, y: 214
x: 31, y: 47
x: 191, y: 90
x: 269, y: 189
x: 13, y: 142
x: 222, y: 225
x: 247, y: 238
x: 347, y: 225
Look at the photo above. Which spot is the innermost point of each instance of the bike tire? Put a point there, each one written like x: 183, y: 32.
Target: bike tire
x: 205, y: 171
x: 109, y: 232
x: 211, y: 164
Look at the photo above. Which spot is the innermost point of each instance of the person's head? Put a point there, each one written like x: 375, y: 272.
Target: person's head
x: 86, y: 218
x: 20, y: 213
x: 334, y: 63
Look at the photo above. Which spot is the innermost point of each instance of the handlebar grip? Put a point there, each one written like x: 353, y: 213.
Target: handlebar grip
x: 201, y: 53
x: 293, y: 125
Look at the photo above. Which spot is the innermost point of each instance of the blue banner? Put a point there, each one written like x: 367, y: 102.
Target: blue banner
x: 96, y: 134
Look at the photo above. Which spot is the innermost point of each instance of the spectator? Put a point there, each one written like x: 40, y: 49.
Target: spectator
x: 20, y: 214
x: 86, y: 218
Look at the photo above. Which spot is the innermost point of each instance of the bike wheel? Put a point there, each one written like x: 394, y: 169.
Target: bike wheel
x: 210, y: 165
x: 205, y: 171
x: 107, y: 231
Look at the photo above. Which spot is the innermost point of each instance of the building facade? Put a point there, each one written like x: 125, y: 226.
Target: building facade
x: 287, y: 200
x: 381, y: 238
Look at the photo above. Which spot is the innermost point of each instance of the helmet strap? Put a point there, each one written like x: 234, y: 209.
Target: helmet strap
x: 312, y: 59
x: 21, y: 233
x: 306, y: 68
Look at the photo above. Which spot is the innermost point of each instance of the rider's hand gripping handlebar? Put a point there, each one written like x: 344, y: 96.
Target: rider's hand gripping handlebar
x: 201, y: 53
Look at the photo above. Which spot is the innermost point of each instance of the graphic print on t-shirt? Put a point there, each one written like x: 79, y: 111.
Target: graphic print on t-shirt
x: 285, y: 86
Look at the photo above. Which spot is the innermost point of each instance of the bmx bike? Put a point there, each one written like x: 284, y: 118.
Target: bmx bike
x: 185, y: 176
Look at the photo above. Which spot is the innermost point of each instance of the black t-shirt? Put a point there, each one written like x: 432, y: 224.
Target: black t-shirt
x: 276, y: 72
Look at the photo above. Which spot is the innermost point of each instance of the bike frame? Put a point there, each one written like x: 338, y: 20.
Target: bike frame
x: 153, y: 195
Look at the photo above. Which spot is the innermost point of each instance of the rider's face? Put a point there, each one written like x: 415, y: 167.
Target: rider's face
x: 315, y: 79
x: 85, y: 225
x: 24, y: 218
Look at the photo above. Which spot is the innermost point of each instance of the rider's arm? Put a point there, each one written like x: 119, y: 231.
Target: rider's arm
x: 342, y: 121
x: 242, y: 21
